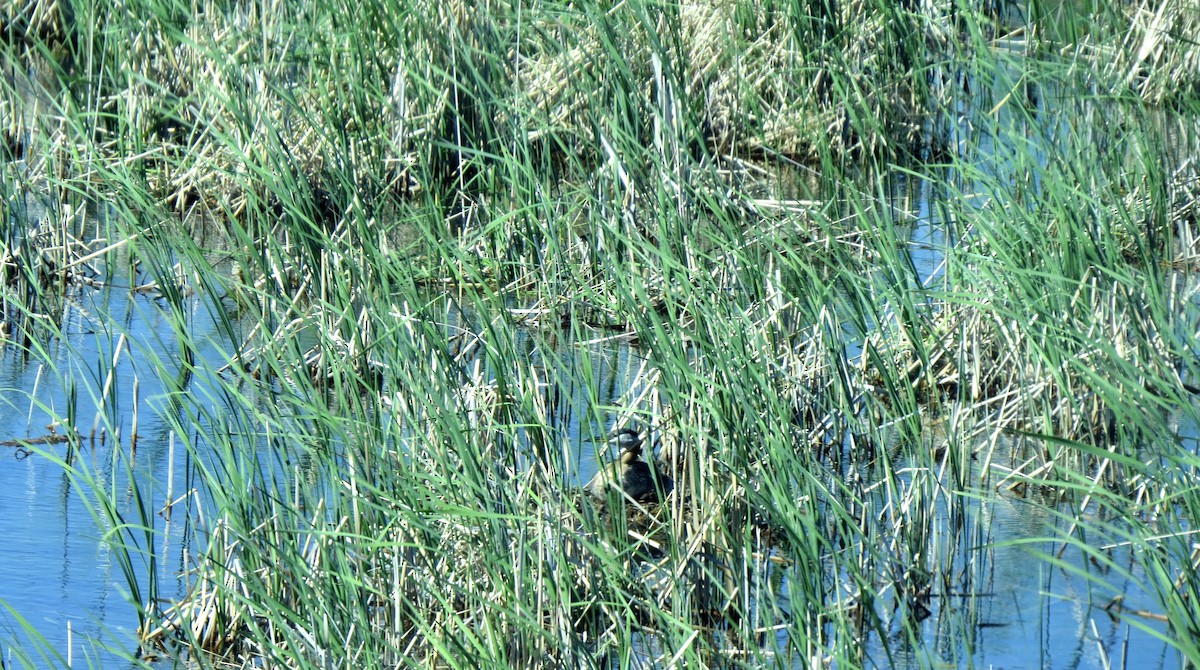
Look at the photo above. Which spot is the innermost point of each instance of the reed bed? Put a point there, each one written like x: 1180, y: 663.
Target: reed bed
x: 419, y: 229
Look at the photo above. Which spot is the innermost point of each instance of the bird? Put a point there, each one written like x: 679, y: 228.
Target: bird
x: 630, y: 474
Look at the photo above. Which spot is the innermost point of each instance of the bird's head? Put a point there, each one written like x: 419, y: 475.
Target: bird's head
x: 629, y: 441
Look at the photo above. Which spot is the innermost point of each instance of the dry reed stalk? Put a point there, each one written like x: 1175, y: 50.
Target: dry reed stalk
x: 1157, y: 58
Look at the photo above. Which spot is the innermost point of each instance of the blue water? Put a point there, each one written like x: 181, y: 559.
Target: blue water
x: 54, y: 570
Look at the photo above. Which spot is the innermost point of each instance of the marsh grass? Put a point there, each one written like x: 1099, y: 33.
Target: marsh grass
x: 402, y: 217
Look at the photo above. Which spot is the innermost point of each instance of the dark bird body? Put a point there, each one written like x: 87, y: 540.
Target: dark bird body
x: 629, y: 473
